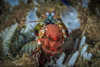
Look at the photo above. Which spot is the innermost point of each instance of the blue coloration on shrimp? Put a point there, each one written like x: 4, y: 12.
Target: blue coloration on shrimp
x: 65, y: 2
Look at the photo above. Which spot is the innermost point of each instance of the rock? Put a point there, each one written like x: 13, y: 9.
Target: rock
x: 85, y: 3
x: 42, y: 1
x: 69, y: 17
x: 31, y: 17
x: 26, y: 60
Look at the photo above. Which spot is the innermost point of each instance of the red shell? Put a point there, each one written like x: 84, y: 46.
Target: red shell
x: 53, y: 39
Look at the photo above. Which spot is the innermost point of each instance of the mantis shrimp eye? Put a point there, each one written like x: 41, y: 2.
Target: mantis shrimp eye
x: 52, y: 14
x: 47, y: 13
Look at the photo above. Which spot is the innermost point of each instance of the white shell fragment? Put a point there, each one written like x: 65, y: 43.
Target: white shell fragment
x: 51, y: 63
x: 60, y: 61
x: 35, y: 2
x: 82, y: 42
x: 84, y: 49
x: 87, y: 56
x: 76, y: 43
x: 12, y: 3
x: 73, y: 59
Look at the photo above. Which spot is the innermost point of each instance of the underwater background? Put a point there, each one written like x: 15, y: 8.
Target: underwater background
x: 18, y: 39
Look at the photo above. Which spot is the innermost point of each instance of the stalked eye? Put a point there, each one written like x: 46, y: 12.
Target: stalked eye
x: 52, y: 14
x: 47, y: 13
